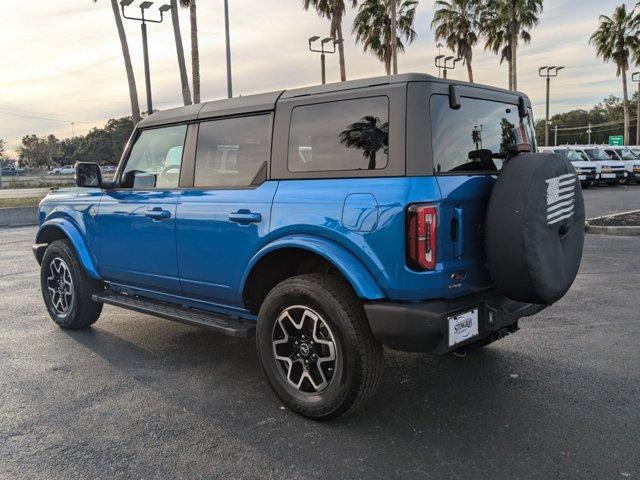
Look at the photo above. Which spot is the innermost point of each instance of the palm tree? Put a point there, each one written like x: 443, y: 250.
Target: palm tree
x: 131, y: 79
x: 373, y: 27
x: 195, y: 51
x: 456, y: 23
x: 333, y: 10
x: 368, y: 135
x: 617, y: 40
x: 503, y: 25
x: 184, y: 80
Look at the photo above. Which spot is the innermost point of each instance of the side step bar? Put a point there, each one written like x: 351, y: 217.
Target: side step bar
x: 230, y: 326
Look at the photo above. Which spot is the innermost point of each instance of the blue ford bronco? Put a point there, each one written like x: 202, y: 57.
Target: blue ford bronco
x: 406, y: 211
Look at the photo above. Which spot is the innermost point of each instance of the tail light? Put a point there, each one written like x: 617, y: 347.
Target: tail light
x: 422, y: 236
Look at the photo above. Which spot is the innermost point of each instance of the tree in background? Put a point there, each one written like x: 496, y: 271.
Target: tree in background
x: 101, y: 145
x: 456, y: 23
x: 504, y: 23
x: 606, y: 119
x: 3, y: 145
x: 38, y: 152
x: 616, y: 40
x: 182, y: 67
x: 373, y: 28
x: 195, y: 52
x: 131, y: 79
x: 333, y: 10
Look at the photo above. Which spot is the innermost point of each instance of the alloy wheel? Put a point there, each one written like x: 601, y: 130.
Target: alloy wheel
x: 60, y: 286
x: 304, y: 349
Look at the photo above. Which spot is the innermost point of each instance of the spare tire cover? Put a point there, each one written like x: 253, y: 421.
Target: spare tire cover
x: 535, y: 228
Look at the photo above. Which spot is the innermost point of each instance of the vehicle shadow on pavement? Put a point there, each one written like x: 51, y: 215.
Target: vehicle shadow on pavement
x: 426, y: 412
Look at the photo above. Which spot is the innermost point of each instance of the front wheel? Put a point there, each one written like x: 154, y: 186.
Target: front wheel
x: 67, y: 289
x: 316, y: 347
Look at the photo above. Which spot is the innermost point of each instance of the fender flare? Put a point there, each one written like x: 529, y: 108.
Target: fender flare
x: 347, y: 263
x: 72, y: 233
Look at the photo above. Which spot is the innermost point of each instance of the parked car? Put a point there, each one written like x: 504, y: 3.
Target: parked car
x: 611, y: 172
x: 586, y: 171
x: 65, y: 170
x: 631, y: 162
x: 108, y: 168
x: 327, y: 221
x: 9, y: 171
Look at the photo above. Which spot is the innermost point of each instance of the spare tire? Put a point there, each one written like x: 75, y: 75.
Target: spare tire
x: 535, y: 228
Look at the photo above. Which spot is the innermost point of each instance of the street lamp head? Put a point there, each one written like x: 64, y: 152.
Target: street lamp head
x: 448, y: 58
x: 145, y: 5
x: 126, y: 3
x: 558, y: 69
x: 313, y: 39
x: 438, y: 57
x: 326, y: 40
x: 165, y: 8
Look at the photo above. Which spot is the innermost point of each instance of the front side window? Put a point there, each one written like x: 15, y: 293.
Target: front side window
x: 155, y: 159
x: 476, y: 136
x: 571, y: 155
x: 341, y: 135
x: 231, y: 152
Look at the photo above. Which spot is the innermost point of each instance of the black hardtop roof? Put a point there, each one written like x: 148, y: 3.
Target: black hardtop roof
x: 267, y: 101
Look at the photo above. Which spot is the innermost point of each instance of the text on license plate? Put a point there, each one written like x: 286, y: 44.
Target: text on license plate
x: 463, y: 326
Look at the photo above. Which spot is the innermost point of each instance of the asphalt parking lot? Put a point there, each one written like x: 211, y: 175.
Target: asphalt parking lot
x: 139, y: 397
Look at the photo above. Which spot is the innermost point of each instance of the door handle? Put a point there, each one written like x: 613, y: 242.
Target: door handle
x: 157, y: 213
x: 245, y: 216
x: 458, y: 240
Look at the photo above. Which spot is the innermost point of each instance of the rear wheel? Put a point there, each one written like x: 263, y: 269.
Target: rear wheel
x: 67, y: 289
x: 316, y: 347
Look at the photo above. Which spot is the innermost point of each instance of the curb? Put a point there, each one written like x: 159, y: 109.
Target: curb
x: 18, y: 216
x: 614, y: 231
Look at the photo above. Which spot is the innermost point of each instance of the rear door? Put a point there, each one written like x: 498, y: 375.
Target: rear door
x: 224, y: 217
x: 468, y: 147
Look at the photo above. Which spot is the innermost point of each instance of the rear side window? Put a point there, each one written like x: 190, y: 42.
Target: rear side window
x: 341, y: 135
x: 465, y: 139
x: 231, y: 152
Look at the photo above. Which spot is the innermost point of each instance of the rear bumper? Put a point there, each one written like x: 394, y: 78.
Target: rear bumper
x: 423, y: 327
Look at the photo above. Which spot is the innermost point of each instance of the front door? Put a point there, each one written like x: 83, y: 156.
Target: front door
x: 136, y: 238
x: 222, y: 221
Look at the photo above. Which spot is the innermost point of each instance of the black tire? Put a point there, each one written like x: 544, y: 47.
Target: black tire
x: 535, y: 228
x: 358, y: 355
x: 585, y: 185
x: 76, y: 310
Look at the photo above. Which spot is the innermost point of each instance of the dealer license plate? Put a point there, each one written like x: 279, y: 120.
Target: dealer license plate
x: 463, y: 327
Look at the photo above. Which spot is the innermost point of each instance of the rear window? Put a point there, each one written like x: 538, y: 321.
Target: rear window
x: 463, y: 138
x: 341, y: 135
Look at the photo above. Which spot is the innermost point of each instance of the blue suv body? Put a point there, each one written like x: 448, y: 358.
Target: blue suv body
x: 353, y: 212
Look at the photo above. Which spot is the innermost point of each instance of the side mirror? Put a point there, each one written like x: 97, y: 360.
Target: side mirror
x: 88, y: 175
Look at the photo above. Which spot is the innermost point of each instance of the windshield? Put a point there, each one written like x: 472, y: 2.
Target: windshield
x: 596, y: 155
x: 626, y: 154
x: 571, y: 155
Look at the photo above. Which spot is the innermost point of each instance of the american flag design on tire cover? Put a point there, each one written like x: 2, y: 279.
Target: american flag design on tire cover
x: 560, y: 197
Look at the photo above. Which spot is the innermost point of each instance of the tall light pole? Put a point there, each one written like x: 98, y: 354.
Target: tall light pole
x: 548, y: 73
x: 445, y: 63
x: 323, y: 52
x: 635, y: 76
x: 228, y: 43
x: 145, y: 44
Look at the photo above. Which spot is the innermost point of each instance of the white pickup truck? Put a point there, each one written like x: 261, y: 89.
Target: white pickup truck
x: 630, y: 159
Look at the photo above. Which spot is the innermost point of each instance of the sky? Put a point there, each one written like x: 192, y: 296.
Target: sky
x: 62, y: 62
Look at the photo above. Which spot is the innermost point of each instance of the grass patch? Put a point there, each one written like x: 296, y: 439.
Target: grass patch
x: 19, y: 202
